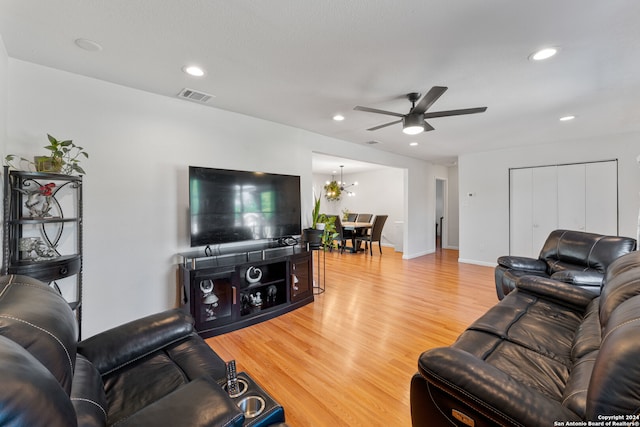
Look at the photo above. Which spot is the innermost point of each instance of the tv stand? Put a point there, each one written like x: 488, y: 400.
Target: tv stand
x: 244, y: 286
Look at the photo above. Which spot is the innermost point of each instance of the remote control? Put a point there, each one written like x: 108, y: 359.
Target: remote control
x: 232, y: 379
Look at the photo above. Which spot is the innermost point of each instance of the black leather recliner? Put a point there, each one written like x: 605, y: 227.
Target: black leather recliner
x: 550, y: 353
x: 154, y: 371
x: 574, y: 257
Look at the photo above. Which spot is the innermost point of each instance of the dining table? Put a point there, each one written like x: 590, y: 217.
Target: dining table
x: 359, y: 229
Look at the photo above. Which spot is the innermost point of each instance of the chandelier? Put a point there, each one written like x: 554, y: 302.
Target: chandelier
x: 333, y: 189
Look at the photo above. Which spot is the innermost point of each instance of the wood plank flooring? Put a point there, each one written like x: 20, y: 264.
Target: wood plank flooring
x: 347, y: 359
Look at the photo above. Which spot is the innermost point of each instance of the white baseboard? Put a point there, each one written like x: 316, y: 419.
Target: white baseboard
x: 473, y: 261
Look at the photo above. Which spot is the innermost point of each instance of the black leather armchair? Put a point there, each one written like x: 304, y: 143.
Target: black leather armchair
x: 549, y: 352
x: 154, y: 371
x: 568, y: 256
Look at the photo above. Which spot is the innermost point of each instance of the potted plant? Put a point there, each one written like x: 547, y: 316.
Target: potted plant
x: 313, y: 235
x: 64, y: 157
x: 329, y: 232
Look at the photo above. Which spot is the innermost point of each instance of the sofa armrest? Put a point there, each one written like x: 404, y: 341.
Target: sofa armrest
x: 580, y: 277
x: 559, y: 292
x: 115, y: 347
x: 471, y: 380
x: 522, y: 263
x: 201, y: 402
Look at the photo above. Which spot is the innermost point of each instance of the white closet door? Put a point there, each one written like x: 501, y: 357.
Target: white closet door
x: 602, y: 198
x: 545, y: 205
x: 582, y: 197
x: 521, y: 217
x: 571, y: 197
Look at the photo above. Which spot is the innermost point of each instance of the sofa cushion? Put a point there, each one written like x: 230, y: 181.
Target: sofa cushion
x: 575, y: 392
x: 29, y: 394
x: 614, y: 382
x: 587, y: 337
x: 566, y: 247
x: 528, y: 338
x: 617, y: 290
x: 136, y: 385
x: 211, y: 407
x: 622, y: 264
x: 39, y: 319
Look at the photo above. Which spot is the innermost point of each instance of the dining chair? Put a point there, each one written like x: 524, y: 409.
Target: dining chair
x: 341, y: 238
x: 375, y: 235
x: 364, y: 218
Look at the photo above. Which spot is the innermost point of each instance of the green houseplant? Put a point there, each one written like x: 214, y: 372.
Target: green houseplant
x: 64, y: 157
x: 329, y: 233
x: 313, y: 235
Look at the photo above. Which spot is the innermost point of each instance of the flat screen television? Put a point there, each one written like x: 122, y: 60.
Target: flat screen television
x: 227, y: 206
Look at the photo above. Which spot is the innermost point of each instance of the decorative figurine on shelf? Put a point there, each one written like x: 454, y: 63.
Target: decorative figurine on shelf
x: 38, y: 201
x: 271, y: 293
x: 256, y: 300
x: 209, y: 299
x: 34, y: 249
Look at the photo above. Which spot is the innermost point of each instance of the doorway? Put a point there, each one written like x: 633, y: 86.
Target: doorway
x: 440, y: 214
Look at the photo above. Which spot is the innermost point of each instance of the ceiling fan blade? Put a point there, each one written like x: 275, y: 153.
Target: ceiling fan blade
x: 374, y: 110
x: 385, y: 125
x: 455, y: 112
x: 428, y: 127
x: 428, y: 99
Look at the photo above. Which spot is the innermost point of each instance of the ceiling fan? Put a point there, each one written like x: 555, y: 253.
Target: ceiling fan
x: 414, y: 121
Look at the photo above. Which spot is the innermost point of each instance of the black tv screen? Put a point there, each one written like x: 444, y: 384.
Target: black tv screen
x: 228, y: 206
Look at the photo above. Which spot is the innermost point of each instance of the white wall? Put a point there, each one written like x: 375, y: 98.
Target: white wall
x: 453, y: 226
x: 484, y: 217
x: 135, y: 193
x: 378, y: 192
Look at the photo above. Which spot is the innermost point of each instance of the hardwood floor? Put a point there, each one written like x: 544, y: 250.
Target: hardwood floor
x: 347, y: 359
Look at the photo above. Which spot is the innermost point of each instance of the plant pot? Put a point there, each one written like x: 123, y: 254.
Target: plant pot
x: 313, y: 237
x: 47, y: 164
x: 320, y: 226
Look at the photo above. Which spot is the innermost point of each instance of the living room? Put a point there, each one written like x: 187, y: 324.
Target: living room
x: 141, y: 144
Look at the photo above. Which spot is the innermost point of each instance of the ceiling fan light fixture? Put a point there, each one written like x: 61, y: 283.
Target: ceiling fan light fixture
x: 413, y: 124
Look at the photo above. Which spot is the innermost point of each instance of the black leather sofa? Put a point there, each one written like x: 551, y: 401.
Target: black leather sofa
x: 568, y: 256
x: 155, y: 371
x: 550, y: 353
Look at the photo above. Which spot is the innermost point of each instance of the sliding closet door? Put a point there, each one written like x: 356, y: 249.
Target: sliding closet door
x: 602, y: 198
x: 521, y: 205
x: 572, y: 197
x: 545, y: 206
x: 581, y: 197
x: 533, y: 205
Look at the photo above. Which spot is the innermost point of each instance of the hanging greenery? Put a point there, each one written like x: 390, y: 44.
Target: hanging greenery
x: 332, y: 191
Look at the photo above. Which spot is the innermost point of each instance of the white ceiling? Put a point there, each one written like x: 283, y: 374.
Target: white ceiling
x: 298, y: 62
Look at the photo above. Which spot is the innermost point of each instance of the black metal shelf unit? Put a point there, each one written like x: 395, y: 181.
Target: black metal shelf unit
x: 42, y: 231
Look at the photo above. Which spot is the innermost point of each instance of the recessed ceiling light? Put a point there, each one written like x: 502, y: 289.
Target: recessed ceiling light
x: 193, y: 70
x: 413, y: 144
x: 545, y: 53
x: 89, y: 45
x: 567, y: 118
x: 338, y: 117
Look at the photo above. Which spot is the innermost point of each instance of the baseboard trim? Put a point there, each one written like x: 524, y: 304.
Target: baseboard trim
x: 473, y: 261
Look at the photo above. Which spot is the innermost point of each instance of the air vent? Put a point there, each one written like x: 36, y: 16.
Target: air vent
x: 194, y: 95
